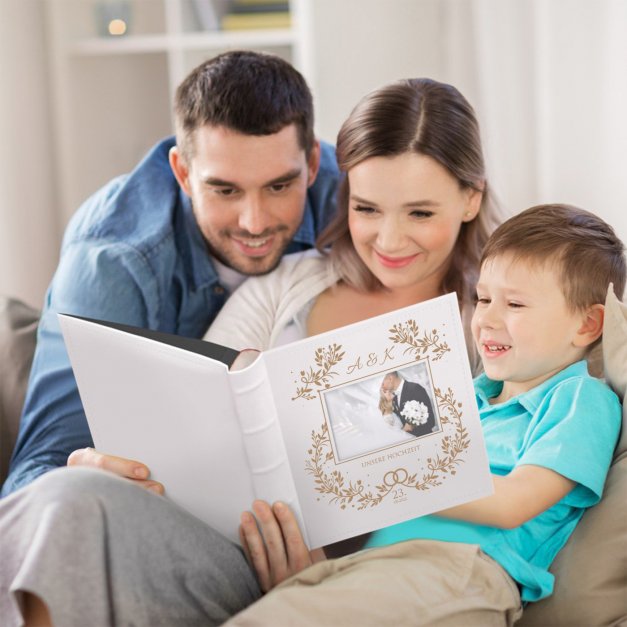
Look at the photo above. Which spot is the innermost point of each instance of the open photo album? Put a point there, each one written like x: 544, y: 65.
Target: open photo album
x: 355, y: 429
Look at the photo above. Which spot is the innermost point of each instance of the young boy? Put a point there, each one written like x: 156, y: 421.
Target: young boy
x: 550, y: 430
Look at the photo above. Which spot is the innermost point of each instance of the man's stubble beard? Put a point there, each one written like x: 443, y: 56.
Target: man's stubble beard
x: 249, y: 266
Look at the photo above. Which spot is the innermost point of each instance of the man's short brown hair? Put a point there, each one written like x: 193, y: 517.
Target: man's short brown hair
x: 249, y: 92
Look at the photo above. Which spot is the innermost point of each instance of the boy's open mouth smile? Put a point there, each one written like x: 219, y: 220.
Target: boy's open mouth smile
x: 495, y: 349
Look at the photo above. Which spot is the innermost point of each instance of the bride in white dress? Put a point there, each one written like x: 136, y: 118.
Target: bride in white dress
x: 385, y: 407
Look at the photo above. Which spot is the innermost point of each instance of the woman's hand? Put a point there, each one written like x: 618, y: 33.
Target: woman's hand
x: 127, y: 468
x: 274, y: 544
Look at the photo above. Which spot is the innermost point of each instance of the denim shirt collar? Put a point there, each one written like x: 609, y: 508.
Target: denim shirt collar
x: 306, y: 232
x: 193, y: 248
x: 486, y: 388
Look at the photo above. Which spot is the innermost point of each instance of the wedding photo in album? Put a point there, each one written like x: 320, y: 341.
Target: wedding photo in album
x: 355, y: 429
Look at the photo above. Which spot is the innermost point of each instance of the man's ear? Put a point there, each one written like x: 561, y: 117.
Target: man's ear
x: 179, y: 168
x: 313, y: 163
x: 591, y: 327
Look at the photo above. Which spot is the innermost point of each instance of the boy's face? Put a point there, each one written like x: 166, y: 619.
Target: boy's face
x: 522, y: 326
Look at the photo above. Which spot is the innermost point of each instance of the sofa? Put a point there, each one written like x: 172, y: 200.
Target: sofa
x: 590, y: 571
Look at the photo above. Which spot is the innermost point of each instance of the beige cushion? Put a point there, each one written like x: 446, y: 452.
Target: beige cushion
x: 615, y: 356
x: 18, y: 327
x: 591, y: 570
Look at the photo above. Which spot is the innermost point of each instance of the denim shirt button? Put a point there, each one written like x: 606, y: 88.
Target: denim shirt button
x: 218, y: 289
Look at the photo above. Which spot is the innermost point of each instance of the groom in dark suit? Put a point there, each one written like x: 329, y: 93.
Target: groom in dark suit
x: 400, y: 392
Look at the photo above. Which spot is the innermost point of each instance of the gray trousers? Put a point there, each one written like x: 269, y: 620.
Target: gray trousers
x: 101, y: 551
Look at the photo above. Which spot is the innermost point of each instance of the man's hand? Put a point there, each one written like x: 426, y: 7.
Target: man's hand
x: 127, y: 468
x: 274, y: 546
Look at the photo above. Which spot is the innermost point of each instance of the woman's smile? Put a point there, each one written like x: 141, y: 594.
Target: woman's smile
x: 395, y: 262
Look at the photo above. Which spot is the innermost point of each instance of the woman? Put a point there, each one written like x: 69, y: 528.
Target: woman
x: 414, y: 212
x: 386, y: 407
x: 413, y: 215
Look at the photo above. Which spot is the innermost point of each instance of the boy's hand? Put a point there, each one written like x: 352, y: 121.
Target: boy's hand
x: 127, y: 468
x: 273, y: 544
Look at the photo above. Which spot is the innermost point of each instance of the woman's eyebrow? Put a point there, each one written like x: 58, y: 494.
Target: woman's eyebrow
x: 363, y: 201
x: 413, y: 204
x: 416, y: 204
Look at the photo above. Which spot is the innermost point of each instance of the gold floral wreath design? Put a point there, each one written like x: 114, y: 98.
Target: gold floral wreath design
x: 325, y: 359
x: 409, y: 333
x: 343, y: 492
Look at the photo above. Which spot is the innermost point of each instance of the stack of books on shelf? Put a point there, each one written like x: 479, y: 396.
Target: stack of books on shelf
x: 207, y: 14
x: 253, y: 14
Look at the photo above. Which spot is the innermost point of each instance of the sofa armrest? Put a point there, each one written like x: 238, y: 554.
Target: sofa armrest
x: 18, y: 330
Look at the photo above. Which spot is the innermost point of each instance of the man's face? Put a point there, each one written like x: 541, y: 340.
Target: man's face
x: 389, y: 385
x: 248, y: 193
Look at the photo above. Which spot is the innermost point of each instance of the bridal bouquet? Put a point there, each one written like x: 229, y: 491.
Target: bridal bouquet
x: 415, y: 412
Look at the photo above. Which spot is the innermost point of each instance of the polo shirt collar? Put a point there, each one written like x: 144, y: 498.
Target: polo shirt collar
x: 486, y: 388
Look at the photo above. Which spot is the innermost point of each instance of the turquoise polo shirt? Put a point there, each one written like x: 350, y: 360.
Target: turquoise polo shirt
x: 569, y: 424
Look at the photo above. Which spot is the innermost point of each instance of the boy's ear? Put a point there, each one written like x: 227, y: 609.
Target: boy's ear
x: 592, y: 326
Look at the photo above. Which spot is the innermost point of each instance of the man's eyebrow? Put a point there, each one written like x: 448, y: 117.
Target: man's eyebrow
x: 284, y: 178
x: 218, y: 182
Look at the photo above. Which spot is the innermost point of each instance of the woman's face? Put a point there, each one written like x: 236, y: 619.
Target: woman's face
x: 404, y: 216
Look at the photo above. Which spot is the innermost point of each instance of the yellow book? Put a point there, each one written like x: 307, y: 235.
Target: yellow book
x: 247, y: 21
x: 252, y: 3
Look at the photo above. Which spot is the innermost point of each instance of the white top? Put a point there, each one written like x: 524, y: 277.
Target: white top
x: 272, y: 310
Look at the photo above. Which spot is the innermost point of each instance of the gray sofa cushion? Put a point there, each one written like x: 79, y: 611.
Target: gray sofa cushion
x: 18, y: 329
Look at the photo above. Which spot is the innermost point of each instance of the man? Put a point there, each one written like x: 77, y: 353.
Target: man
x: 162, y: 247
x: 410, y: 402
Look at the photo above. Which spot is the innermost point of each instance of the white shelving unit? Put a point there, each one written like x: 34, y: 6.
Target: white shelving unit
x: 113, y: 95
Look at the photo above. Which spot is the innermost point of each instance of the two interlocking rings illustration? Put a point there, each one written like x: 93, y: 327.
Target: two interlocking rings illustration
x: 394, y: 477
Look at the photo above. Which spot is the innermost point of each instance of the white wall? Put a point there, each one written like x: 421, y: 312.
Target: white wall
x: 27, y: 190
x: 548, y: 81
x: 362, y: 44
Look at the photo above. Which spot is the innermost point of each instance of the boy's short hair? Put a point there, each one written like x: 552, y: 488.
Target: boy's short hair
x: 249, y: 92
x: 582, y: 247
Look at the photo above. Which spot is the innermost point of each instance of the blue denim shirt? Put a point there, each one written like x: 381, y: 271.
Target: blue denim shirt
x: 133, y: 253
